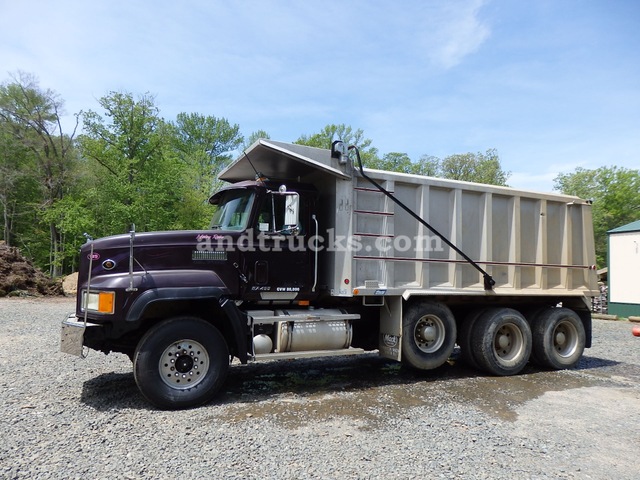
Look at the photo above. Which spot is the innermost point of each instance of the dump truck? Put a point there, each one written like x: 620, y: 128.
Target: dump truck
x: 310, y: 254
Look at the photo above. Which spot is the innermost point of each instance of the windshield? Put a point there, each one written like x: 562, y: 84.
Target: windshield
x: 234, y: 207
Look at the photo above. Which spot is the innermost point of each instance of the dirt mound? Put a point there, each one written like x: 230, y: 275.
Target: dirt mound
x: 70, y: 284
x: 18, y: 276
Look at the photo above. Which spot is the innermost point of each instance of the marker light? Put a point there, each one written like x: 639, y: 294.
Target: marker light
x: 101, y: 302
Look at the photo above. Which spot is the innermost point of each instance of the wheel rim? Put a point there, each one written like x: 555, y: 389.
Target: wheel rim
x: 565, y: 339
x: 184, y: 364
x: 508, y: 343
x: 429, y: 333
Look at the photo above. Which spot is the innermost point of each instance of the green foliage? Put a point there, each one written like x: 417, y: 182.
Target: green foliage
x: 393, y: 162
x: 329, y: 133
x: 38, y: 159
x: 616, y: 199
x: 16, y: 186
x: 474, y: 167
x: 205, y: 144
x: 71, y: 216
x: 130, y: 167
x: 400, y: 162
x: 137, y: 176
x: 470, y: 167
x: 254, y: 137
x: 125, y: 146
x: 345, y: 133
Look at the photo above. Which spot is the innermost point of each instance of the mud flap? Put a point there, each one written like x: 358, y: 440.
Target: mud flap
x: 389, y: 344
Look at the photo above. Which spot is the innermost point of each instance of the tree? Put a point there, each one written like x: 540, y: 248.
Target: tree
x: 254, y: 137
x: 616, y: 199
x: 345, y: 133
x: 139, y: 179
x: 400, y: 162
x: 13, y: 160
x: 470, y: 167
x: 36, y: 152
x: 152, y: 173
x: 128, y: 141
x: 204, y: 144
x: 474, y: 167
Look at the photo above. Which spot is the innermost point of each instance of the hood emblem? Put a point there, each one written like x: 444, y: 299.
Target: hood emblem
x: 109, y: 264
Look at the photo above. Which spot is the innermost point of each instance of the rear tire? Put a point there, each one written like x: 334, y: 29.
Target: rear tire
x: 180, y: 363
x: 464, y: 339
x: 558, y: 338
x: 428, y: 335
x: 501, y: 341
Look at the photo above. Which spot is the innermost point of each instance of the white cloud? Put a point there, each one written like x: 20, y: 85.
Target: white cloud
x: 456, y: 32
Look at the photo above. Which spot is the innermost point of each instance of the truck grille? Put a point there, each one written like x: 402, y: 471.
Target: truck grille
x: 208, y: 256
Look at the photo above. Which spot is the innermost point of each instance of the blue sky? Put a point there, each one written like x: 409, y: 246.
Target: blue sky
x: 552, y: 85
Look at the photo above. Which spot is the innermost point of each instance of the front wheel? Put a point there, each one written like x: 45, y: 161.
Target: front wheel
x: 181, y: 363
x: 428, y: 335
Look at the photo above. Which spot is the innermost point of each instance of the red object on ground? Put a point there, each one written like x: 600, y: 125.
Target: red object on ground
x: 636, y: 330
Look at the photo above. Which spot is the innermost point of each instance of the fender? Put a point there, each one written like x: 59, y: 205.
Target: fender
x: 159, y: 286
x: 161, y: 294
x: 195, y: 285
x: 237, y: 319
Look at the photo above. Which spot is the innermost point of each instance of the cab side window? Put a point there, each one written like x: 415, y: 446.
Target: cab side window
x: 271, y: 217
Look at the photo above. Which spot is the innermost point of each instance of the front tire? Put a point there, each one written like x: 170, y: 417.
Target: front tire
x: 180, y: 363
x: 501, y: 341
x: 428, y: 335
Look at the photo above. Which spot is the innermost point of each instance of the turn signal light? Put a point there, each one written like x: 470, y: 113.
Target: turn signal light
x: 101, y: 302
x: 105, y: 302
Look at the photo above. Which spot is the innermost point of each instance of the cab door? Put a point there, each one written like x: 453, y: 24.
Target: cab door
x: 281, y: 265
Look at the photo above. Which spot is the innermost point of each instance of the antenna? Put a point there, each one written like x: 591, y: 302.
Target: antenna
x: 259, y: 175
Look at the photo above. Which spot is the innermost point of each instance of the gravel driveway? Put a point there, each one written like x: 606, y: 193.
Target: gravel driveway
x: 342, y: 418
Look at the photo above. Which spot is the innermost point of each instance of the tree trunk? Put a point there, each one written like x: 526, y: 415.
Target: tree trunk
x: 55, y: 268
x: 6, y: 234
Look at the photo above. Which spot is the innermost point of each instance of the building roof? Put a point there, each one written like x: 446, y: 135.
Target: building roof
x: 630, y: 227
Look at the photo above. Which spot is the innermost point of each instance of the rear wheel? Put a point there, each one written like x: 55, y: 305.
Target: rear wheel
x: 558, y: 338
x: 501, y: 341
x: 464, y: 338
x: 428, y: 335
x: 181, y: 362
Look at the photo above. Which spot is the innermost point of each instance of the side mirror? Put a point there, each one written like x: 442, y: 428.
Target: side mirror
x: 291, y: 210
x: 283, y: 217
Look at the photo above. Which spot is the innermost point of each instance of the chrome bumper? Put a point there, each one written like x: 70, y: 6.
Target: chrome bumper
x: 72, y: 335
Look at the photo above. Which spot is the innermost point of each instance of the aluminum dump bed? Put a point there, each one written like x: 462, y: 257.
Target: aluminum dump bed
x: 530, y: 243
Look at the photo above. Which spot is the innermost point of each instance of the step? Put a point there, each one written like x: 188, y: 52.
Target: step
x: 260, y: 317
x: 308, y: 354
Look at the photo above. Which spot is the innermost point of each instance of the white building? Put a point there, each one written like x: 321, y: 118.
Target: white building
x: 624, y: 270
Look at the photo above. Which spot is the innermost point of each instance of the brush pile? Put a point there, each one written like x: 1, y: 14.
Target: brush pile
x: 19, y: 277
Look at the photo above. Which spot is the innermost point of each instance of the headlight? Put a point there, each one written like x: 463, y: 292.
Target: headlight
x: 101, y: 302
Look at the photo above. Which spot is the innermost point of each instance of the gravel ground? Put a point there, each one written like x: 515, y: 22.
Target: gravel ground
x: 341, y: 418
